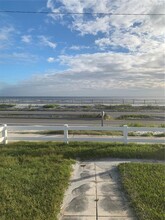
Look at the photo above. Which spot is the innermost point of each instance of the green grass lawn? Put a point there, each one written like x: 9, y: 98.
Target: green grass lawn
x: 34, y: 176
x: 32, y: 186
x: 145, y: 185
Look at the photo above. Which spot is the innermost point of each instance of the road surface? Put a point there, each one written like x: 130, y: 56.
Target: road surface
x: 72, y: 118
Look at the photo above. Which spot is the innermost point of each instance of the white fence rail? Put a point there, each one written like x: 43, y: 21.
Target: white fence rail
x: 5, y: 132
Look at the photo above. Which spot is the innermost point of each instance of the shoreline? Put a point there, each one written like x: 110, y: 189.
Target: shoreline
x: 84, y: 100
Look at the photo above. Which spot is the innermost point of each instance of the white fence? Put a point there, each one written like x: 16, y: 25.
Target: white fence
x: 5, y: 132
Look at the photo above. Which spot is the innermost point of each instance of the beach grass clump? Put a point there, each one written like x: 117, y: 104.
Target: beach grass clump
x: 139, y: 124
x: 100, y: 133
x: 49, y: 106
x: 97, y: 116
x: 94, y: 115
x: 159, y: 135
x: 134, y: 117
x: 5, y: 106
x: 130, y: 108
x: 108, y: 117
x: 86, y: 107
x: 144, y: 184
x: 147, y: 134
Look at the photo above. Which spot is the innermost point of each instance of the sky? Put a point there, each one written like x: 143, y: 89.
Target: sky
x: 82, y: 48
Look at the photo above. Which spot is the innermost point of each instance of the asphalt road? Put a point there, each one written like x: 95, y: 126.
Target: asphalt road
x: 39, y: 118
x: 22, y: 121
x: 113, y: 114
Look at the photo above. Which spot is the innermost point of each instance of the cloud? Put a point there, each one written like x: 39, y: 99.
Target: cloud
x: 51, y: 60
x: 78, y: 47
x: 17, y: 57
x: 137, y: 27
x: 99, y: 73
x: 103, y: 42
x: 158, y: 22
x: 3, y: 85
x: 6, y: 33
x: 26, y: 38
x: 135, y: 30
x: 95, y: 23
x: 52, y: 6
x: 80, y: 22
x: 46, y: 42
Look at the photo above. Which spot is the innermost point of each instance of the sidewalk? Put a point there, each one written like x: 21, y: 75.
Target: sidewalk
x: 95, y: 193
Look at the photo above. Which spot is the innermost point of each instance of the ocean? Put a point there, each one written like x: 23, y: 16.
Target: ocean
x: 82, y: 100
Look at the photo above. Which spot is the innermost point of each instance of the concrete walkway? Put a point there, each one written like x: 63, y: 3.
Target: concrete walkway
x: 95, y: 192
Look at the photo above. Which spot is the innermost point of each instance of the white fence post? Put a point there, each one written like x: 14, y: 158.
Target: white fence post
x: 125, y: 133
x: 4, y: 134
x: 66, y: 133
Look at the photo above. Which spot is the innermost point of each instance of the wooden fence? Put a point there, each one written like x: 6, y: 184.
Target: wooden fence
x: 5, y: 134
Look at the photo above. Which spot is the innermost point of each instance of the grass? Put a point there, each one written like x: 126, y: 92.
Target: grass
x: 138, y: 124
x: 93, y: 107
x: 90, y: 116
x: 79, y: 132
x: 146, y: 134
x: 6, y: 106
x: 99, y: 133
x: 106, y: 116
x: 31, y: 184
x: 48, y: 106
x: 144, y: 184
x: 134, y: 117
x: 34, y: 176
x: 129, y: 108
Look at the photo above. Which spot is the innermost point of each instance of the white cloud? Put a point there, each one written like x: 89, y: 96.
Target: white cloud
x: 133, y: 31
x: 103, y: 42
x: 51, y: 5
x: 51, y: 60
x: 158, y: 22
x: 46, y: 42
x: 100, y: 72
x: 142, y: 67
x: 125, y: 40
x: 18, y: 57
x: 80, y: 22
x: 74, y: 47
x: 5, y: 36
x: 78, y: 47
x: 98, y: 25
x: 26, y: 38
x: 5, y: 33
x: 30, y: 30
